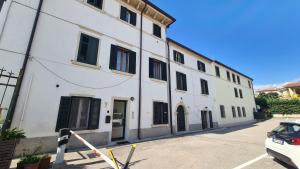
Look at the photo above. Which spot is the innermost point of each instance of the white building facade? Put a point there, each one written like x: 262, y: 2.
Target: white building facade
x: 106, y: 69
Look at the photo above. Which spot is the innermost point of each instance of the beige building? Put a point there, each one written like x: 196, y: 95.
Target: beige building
x: 289, y: 90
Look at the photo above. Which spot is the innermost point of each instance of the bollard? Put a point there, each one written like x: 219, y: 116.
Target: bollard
x: 64, y: 136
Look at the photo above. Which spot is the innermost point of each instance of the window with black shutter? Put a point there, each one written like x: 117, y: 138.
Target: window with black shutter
x: 236, y: 92
x: 128, y: 16
x: 233, y: 112
x: 88, y: 49
x: 204, y: 87
x: 222, y: 110
x: 157, y: 69
x: 78, y: 113
x: 178, y: 57
x: 228, y: 76
x: 201, y: 66
x: 160, y: 113
x: 239, y: 111
x: 249, y: 84
x: 156, y: 30
x: 244, y: 112
x: 96, y: 3
x: 241, y: 93
x: 217, y: 71
x: 233, y: 78
x: 238, y: 79
x: 122, y: 59
x: 181, y: 81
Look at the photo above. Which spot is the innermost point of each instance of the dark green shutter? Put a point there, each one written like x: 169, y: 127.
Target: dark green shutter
x: 174, y: 56
x: 165, y: 113
x: 132, y: 62
x: 156, y: 113
x: 133, y: 18
x: 63, y: 113
x: 204, y: 68
x: 94, y: 115
x: 178, y: 81
x: 123, y: 13
x: 199, y: 66
x: 182, y: 58
x: 184, y: 82
x: 164, y: 71
x: 92, y: 53
x: 113, y: 57
x: 151, y: 73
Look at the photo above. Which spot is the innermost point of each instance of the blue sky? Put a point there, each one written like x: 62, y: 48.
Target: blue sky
x: 260, y: 38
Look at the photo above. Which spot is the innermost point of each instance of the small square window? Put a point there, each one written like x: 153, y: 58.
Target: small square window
x: 178, y: 57
x: 96, y: 3
x: 157, y: 69
x: 128, y: 16
x: 201, y: 66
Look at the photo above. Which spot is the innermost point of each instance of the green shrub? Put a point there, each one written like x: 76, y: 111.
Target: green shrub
x: 29, y: 159
x: 11, y: 134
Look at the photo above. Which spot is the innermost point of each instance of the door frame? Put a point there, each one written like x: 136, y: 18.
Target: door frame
x: 125, y: 120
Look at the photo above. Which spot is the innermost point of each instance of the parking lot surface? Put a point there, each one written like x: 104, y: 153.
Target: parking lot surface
x: 227, y: 148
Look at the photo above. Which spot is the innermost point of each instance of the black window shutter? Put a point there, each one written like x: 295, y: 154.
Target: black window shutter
x: 204, y: 68
x: 156, y: 113
x: 182, y: 58
x: 151, y: 74
x: 164, y: 71
x: 207, y: 90
x: 63, y: 113
x: 178, y: 80
x: 94, y: 114
x: 100, y: 4
x: 132, y: 62
x: 113, y: 57
x: 184, y: 82
x: 165, y: 113
x: 133, y: 18
x: 199, y: 65
x: 123, y: 13
x: 174, y: 55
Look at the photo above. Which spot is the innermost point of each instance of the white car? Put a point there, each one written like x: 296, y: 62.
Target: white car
x: 283, y: 143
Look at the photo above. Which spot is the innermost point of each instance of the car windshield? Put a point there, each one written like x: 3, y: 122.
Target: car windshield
x: 288, y: 129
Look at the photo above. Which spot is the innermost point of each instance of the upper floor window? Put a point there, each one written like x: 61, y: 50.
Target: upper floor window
x: 160, y: 113
x: 122, y: 59
x: 238, y: 79
x: 88, y: 49
x: 157, y: 69
x: 250, y: 84
x: 201, y: 66
x: 233, y: 112
x: 217, y: 71
x: 241, y: 93
x: 239, y: 111
x: 128, y: 16
x: 204, y: 87
x: 233, y: 78
x: 78, y: 113
x: 236, y: 93
x: 228, y: 76
x: 244, y: 112
x: 178, y: 57
x: 157, y: 30
x: 222, y: 110
x: 181, y: 81
x: 96, y: 3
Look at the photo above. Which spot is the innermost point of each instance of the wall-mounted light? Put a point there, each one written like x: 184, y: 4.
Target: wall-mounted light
x: 132, y: 99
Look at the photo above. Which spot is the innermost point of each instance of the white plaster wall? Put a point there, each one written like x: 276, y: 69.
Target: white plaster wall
x: 192, y: 99
x: 224, y: 95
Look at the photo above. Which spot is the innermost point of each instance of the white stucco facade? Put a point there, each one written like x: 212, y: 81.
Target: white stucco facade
x: 53, y: 70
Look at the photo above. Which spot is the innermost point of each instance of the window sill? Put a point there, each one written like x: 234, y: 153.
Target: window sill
x: 158, y: 80
x: 205, y: 95
x: 85, y: 65
x: 127, y: 23
x: 181, y: 91
x: 159, y: 125
x: 121, y: 73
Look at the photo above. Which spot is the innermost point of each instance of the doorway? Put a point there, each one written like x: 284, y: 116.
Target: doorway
x: 119, y: 120
x: 207, y: 120
x: 180, y: 119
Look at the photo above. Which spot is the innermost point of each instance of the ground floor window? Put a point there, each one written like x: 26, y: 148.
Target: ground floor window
x: 244, y: 111
x: 160, y: 113
x: 78, y: 113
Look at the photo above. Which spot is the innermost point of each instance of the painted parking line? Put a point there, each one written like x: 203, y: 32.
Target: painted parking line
x: 251, y: 161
